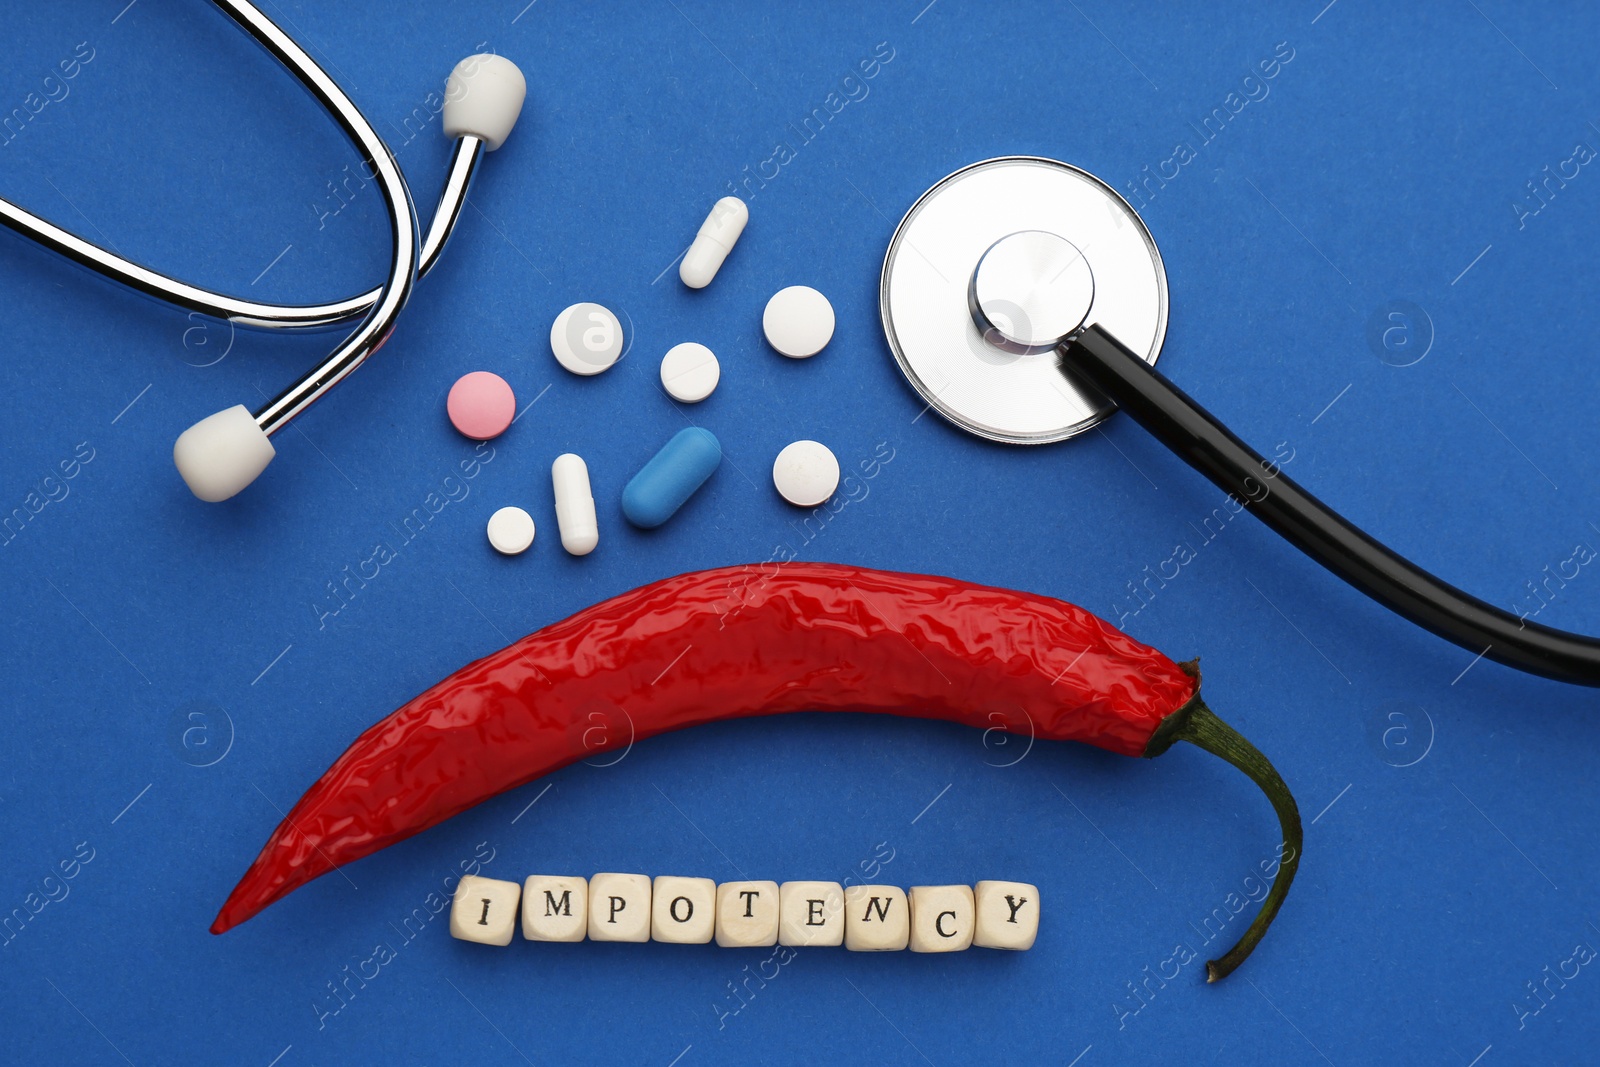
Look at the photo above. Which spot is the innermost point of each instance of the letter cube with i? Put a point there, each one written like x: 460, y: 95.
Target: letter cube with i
x: 484, y: 910
x: 941, y: 918
x: 877, y: 918
x: 811, y: 914
x: 1008, y: 915
x: 747, y: 914
x: 555, y: 908
x: 619, y: 907
x: 683, y: 911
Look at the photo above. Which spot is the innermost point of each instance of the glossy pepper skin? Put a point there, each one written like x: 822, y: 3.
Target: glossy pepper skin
x: 715, y: 645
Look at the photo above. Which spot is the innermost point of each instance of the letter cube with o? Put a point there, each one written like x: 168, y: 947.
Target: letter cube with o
x: 484, y: 910
x: 941, y: 918
x: 747, y: 914
x: 683, y: 911
x: 1008, y: 915
x: 877, y: 918
x: 811, y: 914
x: 555, y: 908
x: 619, y: 907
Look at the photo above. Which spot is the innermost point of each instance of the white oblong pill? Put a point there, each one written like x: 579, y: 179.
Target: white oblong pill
x: 575, y: 517
x: 713, y: 242
x: 586, y: 339
x: 806, y: 473
x: 689, y: 372
x: 798, y: 321
x: 511, y: 531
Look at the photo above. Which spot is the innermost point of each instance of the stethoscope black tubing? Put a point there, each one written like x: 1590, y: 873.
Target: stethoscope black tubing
x: 1096, y: 359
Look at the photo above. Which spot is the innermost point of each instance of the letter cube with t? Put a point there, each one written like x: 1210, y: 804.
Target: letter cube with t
x: 683, y: 910
x: 555, y: 908
x: 811, y: 914
x: 941, y: 918
x: 747, y: 914
x: 484, y: 910
x: 877, y: 918
x: 619, y: 907
x: 1008, y: 915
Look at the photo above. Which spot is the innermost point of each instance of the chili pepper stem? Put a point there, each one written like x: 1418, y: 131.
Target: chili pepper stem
x: 1200, y: 726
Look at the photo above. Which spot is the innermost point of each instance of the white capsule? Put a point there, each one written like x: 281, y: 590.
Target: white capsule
x: 713, y: 242
x: 575, y: 518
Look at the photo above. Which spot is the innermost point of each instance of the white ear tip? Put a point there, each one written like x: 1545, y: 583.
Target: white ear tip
x: 221, y: 454
x: 483, y: 98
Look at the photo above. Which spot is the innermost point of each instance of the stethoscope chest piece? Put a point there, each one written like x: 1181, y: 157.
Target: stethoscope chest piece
x: 996, y: 265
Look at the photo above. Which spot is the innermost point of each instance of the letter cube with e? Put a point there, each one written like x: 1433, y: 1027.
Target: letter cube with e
x: 683, y: 910
x: 484, y: 910
x: 877, y: 918
x: 811, y: 914
x: 747, y: 914
x: 1008, y: 915
x: 619, y: 907
x: 555, y: 908
x: 941, y: 918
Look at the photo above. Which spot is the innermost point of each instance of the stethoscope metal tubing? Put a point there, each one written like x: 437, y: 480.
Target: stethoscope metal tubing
x: 464, y: 158
x: 404, y: 249
x: 1096, y: 359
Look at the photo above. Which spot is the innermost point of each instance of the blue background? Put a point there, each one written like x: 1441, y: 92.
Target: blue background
x: 1451, y: 807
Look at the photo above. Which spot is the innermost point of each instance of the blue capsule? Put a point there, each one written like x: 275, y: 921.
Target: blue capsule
x: 671, y: 477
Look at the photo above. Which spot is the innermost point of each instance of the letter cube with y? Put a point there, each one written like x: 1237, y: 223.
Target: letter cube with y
x: 619, y: 907
x: 484, y: 910
x: 811, y: 914
x: 555, y: 908
x: 683, y: 910
x: 941, y: 918
x: 747, y: 914
x: 877, y: 918
x: 1008, y: 915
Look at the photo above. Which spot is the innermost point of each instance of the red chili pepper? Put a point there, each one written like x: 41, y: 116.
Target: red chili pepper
x: 741, y: 641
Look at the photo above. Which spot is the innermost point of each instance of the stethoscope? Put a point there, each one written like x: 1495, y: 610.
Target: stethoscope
x: 1025, y: 301
x: 222, y: 454
x: 1022, y: 297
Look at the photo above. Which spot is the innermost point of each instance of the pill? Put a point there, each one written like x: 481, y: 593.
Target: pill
x: 575, y: 518
x: 689, y: 372
x: 586, y: 339
x: 713, y: 242
x: 671, y: 477
x: 510, y: 531
x: 806, y: 473
x: 798, y: 321
x: 481, y: 405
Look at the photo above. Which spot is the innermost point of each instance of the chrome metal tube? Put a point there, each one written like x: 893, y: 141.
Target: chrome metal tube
x: 458, y: 182
x: 404, y: 249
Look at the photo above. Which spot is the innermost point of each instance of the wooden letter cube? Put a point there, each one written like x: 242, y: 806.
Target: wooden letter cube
x: 1008, y: 915
x: 747, y: 914
x: 877, y: 918
x: 941, y: 918
x: 683, y: 910
x: 484, y: 910
x: 619, y: 907
x: 555, y: 908
x: 811, y: 914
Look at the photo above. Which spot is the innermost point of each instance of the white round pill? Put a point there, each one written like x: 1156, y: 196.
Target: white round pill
x: 586, y: 339
x: 510, y: 531
x: 689, y: 372
x: 798, y: 321
x: 806, y: 473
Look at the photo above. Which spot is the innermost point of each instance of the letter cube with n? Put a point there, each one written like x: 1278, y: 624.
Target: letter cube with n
x: 877, y: 918
x: 555, y: 908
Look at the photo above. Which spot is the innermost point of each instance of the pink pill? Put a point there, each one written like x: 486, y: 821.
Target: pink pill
x: 481, y: 405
